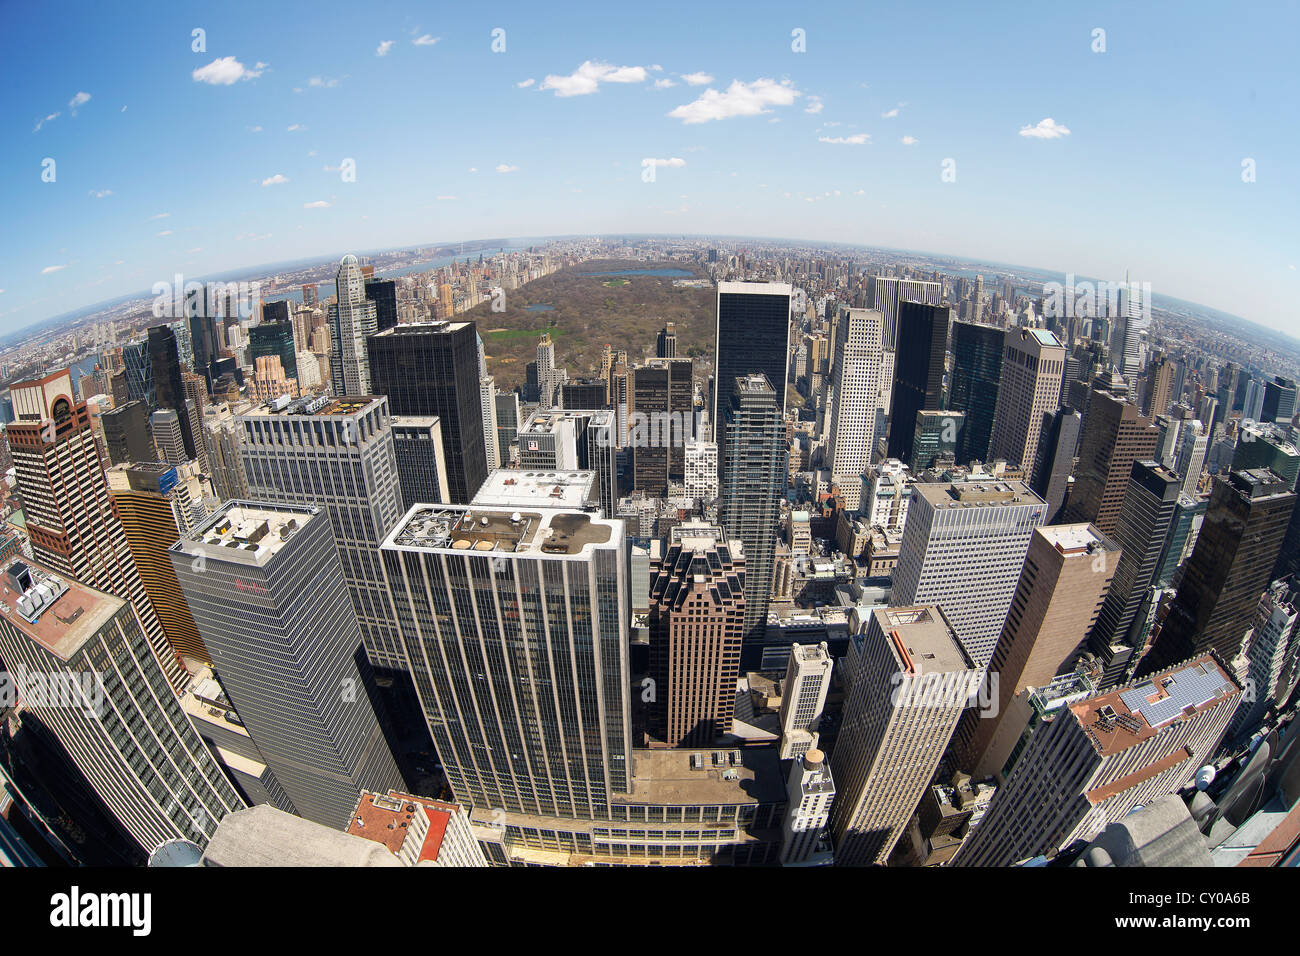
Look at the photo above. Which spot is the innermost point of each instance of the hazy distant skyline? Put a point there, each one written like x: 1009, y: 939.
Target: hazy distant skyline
x: 169, y: 160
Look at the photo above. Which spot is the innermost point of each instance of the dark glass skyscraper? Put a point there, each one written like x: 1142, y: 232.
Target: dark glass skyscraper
x: 169, y: 390
x: 1229, y: 569
x: 751, y: 477
x: 918, y: 370
x: 431, y: 368
x: 977, y: 369
x: 753, y: 337
x: 383, y: 293
x: 274, y: 338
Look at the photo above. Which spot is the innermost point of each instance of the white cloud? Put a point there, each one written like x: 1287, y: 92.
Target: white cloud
x: 295, y: 128
x: 815, y: 105
x: 40, y: 123
x: 255, y: 129
x: 1045, y: 129
x: 890, y: 114
x: 275, y: 180
x: 318, y: 204
x: 503, y: 168
x: 675, y: 162
x: 101, y: 193
x: 524, y: 84
x: 81, y: 99
x: 473, y: 169
x: 165, y: 232
x: 697, y: 79
x: 426, y: 40
x: 588, y: 77
x: 323, y: 81
x: 740, y: 99
x: 383, y: 48
x: 857, y: 139
x: 226, y: 71
x: 908, y: 140
x: 48, y: 269
x: 664, y: 83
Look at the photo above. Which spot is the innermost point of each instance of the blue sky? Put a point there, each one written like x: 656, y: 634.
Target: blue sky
x: 159, y: 172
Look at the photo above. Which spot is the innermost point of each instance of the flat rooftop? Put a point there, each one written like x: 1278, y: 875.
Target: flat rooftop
x: 502, y: 530
x: 966, y: 494
x: 246, y: 532
x: 388, y: 818
x: 755, y: 288
x: 545, y: 422
x: 1076, y: 539
x: 529, y: 488
x: 318, y: 407
x: 921, y: 640
x: 669, y: 777
x: 422, y: 328
x: 54, y: 611
x: 1126, y: 716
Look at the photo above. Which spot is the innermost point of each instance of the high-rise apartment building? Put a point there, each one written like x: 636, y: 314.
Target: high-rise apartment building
x: 696, y: 624
x: 976, y: 376
x: 432, y: 368
x: 1033, y: 362
x: 351, y: 320
x: 1067, y: 572
x: 701, y: 461
x: 73, y: 527
x: 752, y: 337
x: 1115, y: 434
x: 918, y: 370
x: 909, y: 679
x: 109, y: 705
x: 289, y: 651
x: 1102, y: 757
x: 963, y: 547
x: 337, y: 453
x: 856, y: 380
x: 1230, y: 567
x: 751, y: 478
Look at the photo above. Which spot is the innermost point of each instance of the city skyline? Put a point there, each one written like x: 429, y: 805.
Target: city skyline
x: 1043, y: 170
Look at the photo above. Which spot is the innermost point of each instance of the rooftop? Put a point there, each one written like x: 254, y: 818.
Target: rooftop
x: 246, y: 532
x: 536, y: 531
x: 1128, y: 715
x: 922, y: 640
x: 316, y: 406
x: 547, y: 421
x: 389, y: 818
x: 265, y: 836
x: 520, y: 487
x: 56, y: 612
x: 966, y: 494
x: 750, y: 775
x: 1076, y: 539
x: 422, y: 328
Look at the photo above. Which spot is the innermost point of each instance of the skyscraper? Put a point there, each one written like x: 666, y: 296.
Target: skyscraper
x: 803, y: 697
x: 666, y: 342
x: 810, y: 792
x: 751, y: 478
x: 417, y: 452
x: 289, y: 651
x: 1189, y: 461
x: 909, y: 681
x: 432, y: 368
x: 383, y: 293
x: 918, y: 370
x: 274, y: 338
x: 109, y: 706
x: 856, y: 380
x: 337, y: 453
x: 1230, y: 567
x: 1115, y: 434
x: 126, y: 433
x: 1067, y: 572
x: 660, y: 415
x: 351, y: 320
x: 1103, y: 756
x: 884, y: 293
x: 963, y: 547
x: 527, y: 697
x: 169, y: 389
x: 696, y: 623
x: 1057, y: 443
x: 752, y: 336
x: 154, y: 509
x: 976, y: 375
x: 71, y: 522
x: 169, y: 443
x: 1033, y: 361
x: 1142, y: 530
x: 1279, y: 401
